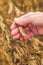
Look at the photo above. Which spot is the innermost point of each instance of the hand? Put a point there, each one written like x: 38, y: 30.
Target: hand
x: 32, y: 23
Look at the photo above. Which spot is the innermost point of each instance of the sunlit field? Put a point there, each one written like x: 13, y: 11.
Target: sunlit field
x: 13, y: 52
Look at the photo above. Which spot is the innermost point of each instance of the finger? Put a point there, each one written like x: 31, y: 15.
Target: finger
x: 27, y: 29
x: 33, y: 28
x: 21, y: 38
x: 13, y: 26
x: 25, y: 19
x: 16, y: 36
x: 29, y: 36
x: 15, y: 31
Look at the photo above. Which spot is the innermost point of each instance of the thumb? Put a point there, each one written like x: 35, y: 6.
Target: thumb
x: 23, y: 20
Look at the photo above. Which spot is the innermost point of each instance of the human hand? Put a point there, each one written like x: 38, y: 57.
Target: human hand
x: 32, y: 23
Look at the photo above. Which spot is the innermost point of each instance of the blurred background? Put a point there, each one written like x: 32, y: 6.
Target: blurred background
x: 17, y: 52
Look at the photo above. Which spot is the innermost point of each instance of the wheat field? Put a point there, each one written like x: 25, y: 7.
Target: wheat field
x: 13, y: 52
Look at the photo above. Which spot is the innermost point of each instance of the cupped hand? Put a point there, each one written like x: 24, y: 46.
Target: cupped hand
x: 32, y: 23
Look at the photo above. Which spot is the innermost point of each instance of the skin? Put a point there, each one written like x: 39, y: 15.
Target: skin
x: 32, y: 23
